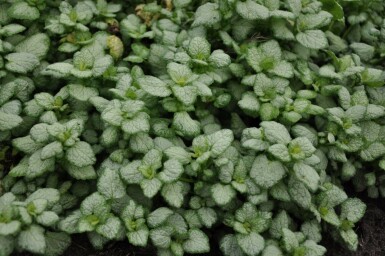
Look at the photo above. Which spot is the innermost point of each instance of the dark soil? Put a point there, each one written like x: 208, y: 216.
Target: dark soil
x: 371, y: 232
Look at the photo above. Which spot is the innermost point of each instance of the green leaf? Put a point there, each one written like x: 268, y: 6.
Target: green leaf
x: 173, y: 193
x: 139, y: 237
x: 111, y: 228
x: 161, y: 237
x: 10, y: 228
x: 9, y: 121
x: 23, y: 11
x: 38, y: 166
x: 150, y: 187
x: 81, y: 92
x: 101, y: 65
x: 51, y: 195
x: 280, y: 152
x: 187, y: 95
x: 229, y: 246
x: 159, y: 216
x: 299, y: 193
x: 184, y: 125
x: 81, y: 154
x: 333, y: 7
x: 307, y: 175
x: 266, y: 173
x: 250, y: 10
x: 81, y: 173
x: 7, y: 244
x: 51, y: 150
x: 289, y: 239
x: 58, y: 70
x: 199, y: 48
x: 139, y: 123
x: 197, y: 242
x: 222, y: 194
x: 32, y: 239
x: 172, y: 170
x: 178, y: 153
x: 57, y: 243
x: 37, y: 44
x: 219, y: 59
x: 110, y: 185
x: 154, y: 86
x: 312, y: 39
x: 21, y: 62
x: 47, y: 218
x: 11, y: 29
x: 353, y: 209
x: 276, y: 132
x: 220, y: 141
x: 207, y: 14
x: 251, y: 244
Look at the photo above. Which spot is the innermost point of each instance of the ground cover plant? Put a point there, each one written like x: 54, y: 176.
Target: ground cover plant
x: 189, y: 126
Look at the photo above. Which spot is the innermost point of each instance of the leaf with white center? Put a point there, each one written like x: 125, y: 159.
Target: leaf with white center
x: 21, y: 62
x: 229, y: 246
x: 10, y: 228
x: 219, y: 59
x: 312, y: 39
x: 353, y: 209
x: 101, y: 65
x: 154, y: 86
x: 283, y: 69
x: 37, y: 44
x: 161, y: 237
x: 38, y: 166
x: 276, y: 132
x: 307, y: 175
x: 222, y: 194
x: 299, y: 193
x: 140, y: 123
x: 32, y: 239
x: 250, y: 10
x: 139, y: 237
x: 81, y: 154
x: 172, y: 169
x: 58, y: 70
x: 251, y: 244
x: 178, y: 153
x: 207, y: 14
x: 23, y: 11
x: 266, y: 173
x: 11, y: 29
x: 47, y: 218
x: 207, y: 216
x: 9, y: 121
x: 280, y: 152
x: 81, y: 173
x: 158, y: 217
x: 51, y: 195
x: 199, y: 48
x: 187, y: 94
x: 220, y: 141
x: 197, y: 242
x: 51, y: 150
x: 173, y: 193
x: 110, y: 185
x: 150, y: 187
x: 81, y: 92
x: 184, y: 125
x: 111, y: 228
x: 130, y: 173
x: 290, y: 241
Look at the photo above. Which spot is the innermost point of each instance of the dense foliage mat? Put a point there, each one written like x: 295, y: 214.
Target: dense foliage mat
x: 189, y: 126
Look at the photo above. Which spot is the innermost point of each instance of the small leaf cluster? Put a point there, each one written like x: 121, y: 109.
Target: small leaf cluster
x: 191, y: 127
